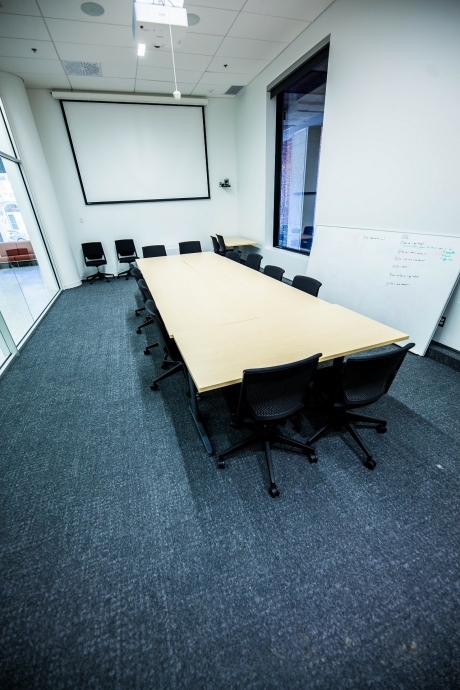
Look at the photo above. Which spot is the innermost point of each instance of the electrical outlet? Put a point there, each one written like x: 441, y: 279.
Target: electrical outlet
x: 442, y: 321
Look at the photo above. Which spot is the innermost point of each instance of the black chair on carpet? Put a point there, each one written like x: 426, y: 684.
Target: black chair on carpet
x: 223, y: 249
x: 191, y: 247
x: 265, y: 398
x: 126, y: 254
x: 153, y: 250
x: 215, y: 246
x: 93, y: 255
x: 234, y: 256
x: 361, y: 382
x: 274, y: 272
x: 175, y: 363
x: 137, y: 275
x: 306, y: 284
x: 253, y: 260
x: 146, y: 295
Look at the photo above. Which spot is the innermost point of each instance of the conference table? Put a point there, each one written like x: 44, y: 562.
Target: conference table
x: 226, y: 318
x: 234, y: 241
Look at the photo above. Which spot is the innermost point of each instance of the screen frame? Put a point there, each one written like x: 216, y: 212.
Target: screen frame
x: 136, y: 201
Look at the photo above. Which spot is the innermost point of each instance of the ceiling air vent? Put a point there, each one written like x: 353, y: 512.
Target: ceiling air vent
x: 82, y: 69
x: 233, y: 90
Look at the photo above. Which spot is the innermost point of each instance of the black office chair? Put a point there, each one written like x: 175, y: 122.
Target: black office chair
x: 126, y: 254
x: 175, y: 363
x: 192, y: 247
x: 93, y: 255
x: 361, y: 382
x: 264, y: 399
x: 223, y: 249
x: 253, y: 260
x: 306, y: 284
x: 234, y: 256
x: 137, y: 275
x: 146, y: 295
x: 153, y: 250
x: 274, y: 272
x: 215, y: 246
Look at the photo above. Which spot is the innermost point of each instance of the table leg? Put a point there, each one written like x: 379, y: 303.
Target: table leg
x: 196, y: 416
x: 337, y: 365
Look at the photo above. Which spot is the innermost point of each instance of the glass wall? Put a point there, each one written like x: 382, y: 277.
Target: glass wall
x: 300, y: 111
x: 27, y: 279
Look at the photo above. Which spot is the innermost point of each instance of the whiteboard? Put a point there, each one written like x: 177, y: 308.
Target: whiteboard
x: 403, y: 280
x: 133, y: 152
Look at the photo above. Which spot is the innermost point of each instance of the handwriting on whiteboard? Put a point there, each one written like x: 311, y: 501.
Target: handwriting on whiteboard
x: 412, y: 252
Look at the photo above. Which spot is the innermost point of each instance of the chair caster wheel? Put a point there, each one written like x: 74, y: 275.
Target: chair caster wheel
x: 381, y: 429
x: 221, y: 464
x: 154, y: 387
x: 138, y: 331
x: 369, y: 463
x: 273, y: 491
x: 313, y: 458
x: 164, y: 366
x: 146, y: 352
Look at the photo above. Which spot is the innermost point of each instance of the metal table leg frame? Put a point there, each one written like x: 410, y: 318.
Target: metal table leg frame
x: 196, y: 416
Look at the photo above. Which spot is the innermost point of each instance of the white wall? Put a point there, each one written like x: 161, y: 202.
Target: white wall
x: 147, y: 223
x: 391, y: 149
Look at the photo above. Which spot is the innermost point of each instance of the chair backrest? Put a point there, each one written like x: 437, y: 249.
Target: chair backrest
x: 215, y: 245
x: 125, y: 247
x: 93, y: 251
x: 167, y: 343
x: 136, y: 273
x: 146, y: 294
x: 192, y: 247
x: 364, y: 380
x: 153, y: 250
x: 253, y: 260
x: 234, y: 256
x: 306, y: 284
x: 276, y: 392
x: 151, y: 307
x: 221, y: 241
x: 274, y: 272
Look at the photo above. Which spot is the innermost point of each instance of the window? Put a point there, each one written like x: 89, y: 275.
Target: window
x: 299, y: 114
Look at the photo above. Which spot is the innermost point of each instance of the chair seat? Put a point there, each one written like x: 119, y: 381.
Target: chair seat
x: 127, y: 259
x: 95, y: 262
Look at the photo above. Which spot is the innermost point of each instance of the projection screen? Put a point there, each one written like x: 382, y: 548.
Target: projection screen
x: 135, y: 152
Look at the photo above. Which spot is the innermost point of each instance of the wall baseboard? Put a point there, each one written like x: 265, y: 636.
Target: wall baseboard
x: 444, y: 355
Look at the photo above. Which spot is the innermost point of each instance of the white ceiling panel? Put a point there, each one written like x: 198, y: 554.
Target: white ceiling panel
x: 219, y: 78
x: 62, y: 30
x: 20, y: 7
x: 200, y: 44
x: 163, y: 58
x: 237, y: 65
x: 120, y: 70
x: 265, y: 28
x: 212, y: 21
x: 247, y: 48
x: 306, y: 10
x: 20, y: 47
x: 210, y: 90
x: 116, y: 11
x: 102, y: 84
x: 30, y: 65
x: 162, y: 74
x: 163, y: 87
x: 44, y: 81
x: 221, y: 4
x: 16, y: 26
x: 92, y: 53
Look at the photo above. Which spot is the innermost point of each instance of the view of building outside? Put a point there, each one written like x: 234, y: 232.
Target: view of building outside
x: 12, y: 226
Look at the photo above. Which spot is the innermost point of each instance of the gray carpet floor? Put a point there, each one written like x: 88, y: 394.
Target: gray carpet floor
x: 129, y: 561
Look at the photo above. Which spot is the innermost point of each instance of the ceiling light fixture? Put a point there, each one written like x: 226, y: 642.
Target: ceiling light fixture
x: 93, y: 9
x: 141, y: 50
x: 192, y: 19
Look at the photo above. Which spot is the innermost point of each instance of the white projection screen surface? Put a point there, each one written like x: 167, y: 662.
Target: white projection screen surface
x: 133, y: 152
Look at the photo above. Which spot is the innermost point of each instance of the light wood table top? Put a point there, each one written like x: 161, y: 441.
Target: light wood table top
x: 226, y: 317
x: 239, y: 242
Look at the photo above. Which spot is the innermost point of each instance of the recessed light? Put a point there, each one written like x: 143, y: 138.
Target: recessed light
x: 192, y: 19
x: 93, y: 9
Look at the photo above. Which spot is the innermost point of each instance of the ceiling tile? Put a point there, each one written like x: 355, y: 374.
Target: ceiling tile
x: 123, y: 71
x: 20, y: 47
x: 102, y: 84
x: 116, y: 11
x: 163, y: 87
x: 45, y: 81
x: 20, y: 7
x: 306, y: 10
x: 220, y: 4
x: 163, y: 58
x: 199, y: 44
x: 161, y: 74
x: 16, y: 26
x: 92, y: 53
x: 90, y: 33
x: 30, y: 65
x: 219, y: 78
x: 210, y: 90
x: 266, y: 28
x: 246, y: 48
x: 237, y: 65
x: 212, y: 21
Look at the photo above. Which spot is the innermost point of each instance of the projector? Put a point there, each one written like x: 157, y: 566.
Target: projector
x: 151, y: 22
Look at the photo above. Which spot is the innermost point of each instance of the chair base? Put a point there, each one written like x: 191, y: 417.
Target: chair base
x: 99, y: 276
x: 126, y: 273
x: 268, y: 435
x: 147, y: 322
x: 345, y: 420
